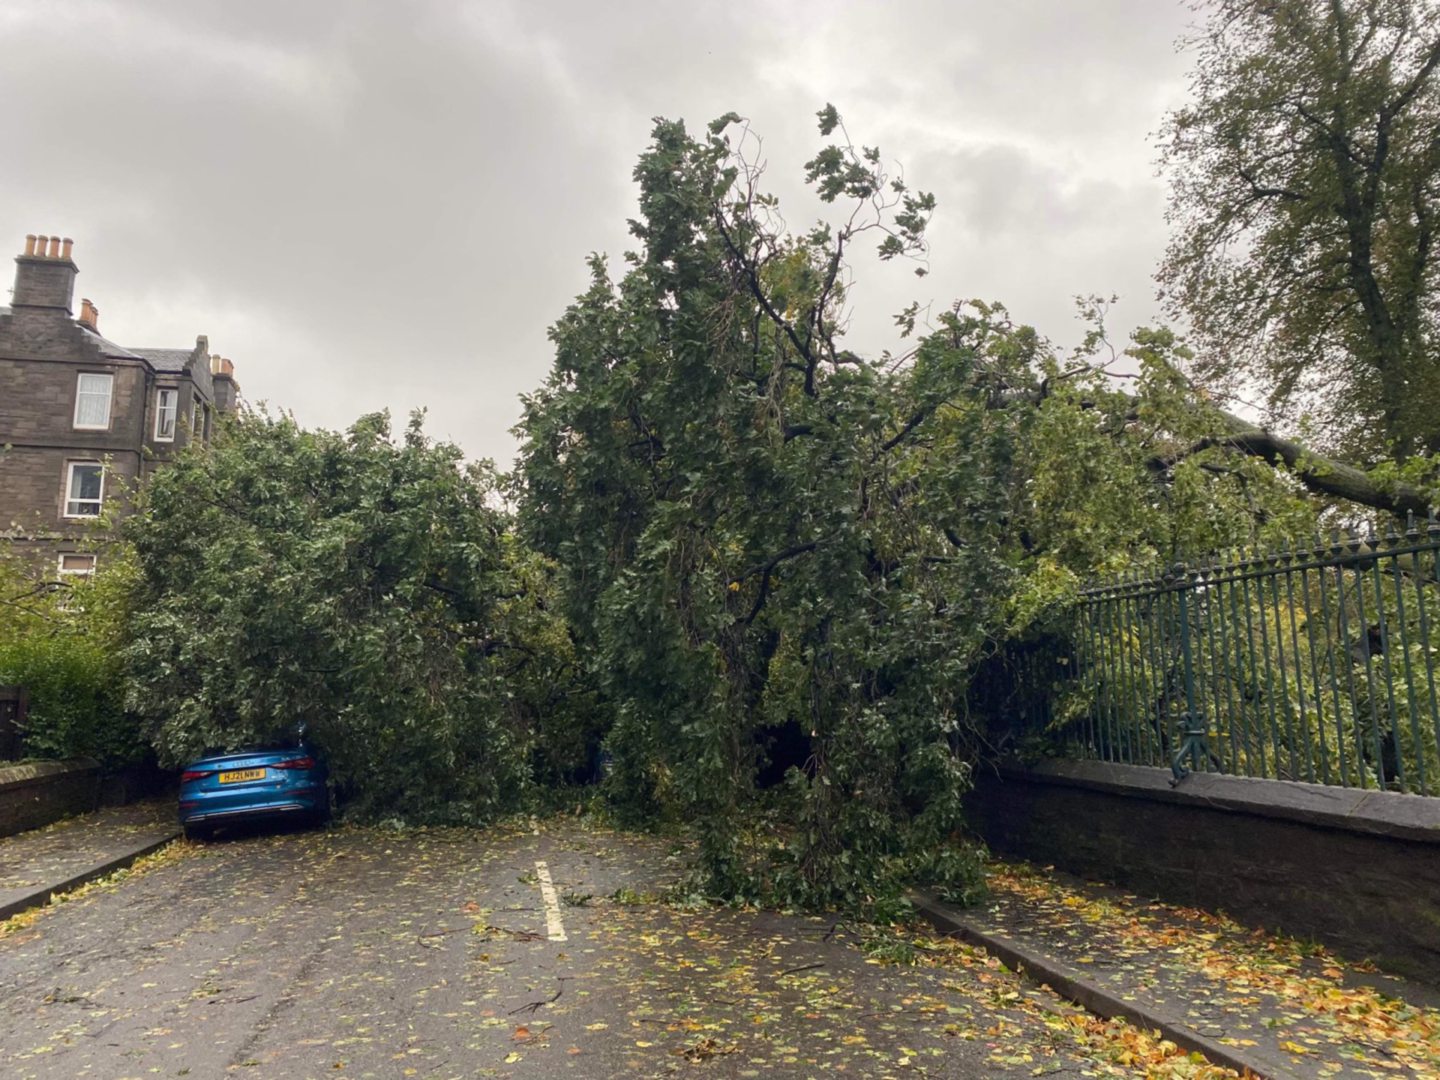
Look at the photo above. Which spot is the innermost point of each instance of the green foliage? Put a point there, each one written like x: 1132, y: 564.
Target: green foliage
x: 61, y: 641
x: 753, y: 538
x: 547, y: 691
x: 361, y: 586
x: 762, y: 534
x: 1304, y: 183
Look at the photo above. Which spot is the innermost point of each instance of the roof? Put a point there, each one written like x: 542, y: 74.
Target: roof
x: 108, y: 347
x: 173, y: 361
x: 166, y: 359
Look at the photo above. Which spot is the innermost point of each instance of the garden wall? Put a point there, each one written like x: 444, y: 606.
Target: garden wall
x: 35, y: 794
x: 40, y: 792
x: 1356, y: 870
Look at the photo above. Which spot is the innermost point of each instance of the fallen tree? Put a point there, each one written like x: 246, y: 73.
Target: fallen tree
x: 784, y: 560
x: 1321, y: 475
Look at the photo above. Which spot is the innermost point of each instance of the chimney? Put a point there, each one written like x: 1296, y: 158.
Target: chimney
x: 89, y: 314
x: 45, y: 275
x: 227, y: 390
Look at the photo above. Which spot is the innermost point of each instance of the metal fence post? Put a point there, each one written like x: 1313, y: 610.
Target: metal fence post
x: 1192, y: 720
x: 1335, y: 662
x: 12, y: 721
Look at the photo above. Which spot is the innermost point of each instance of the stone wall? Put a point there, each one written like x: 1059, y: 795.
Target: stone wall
x: 43, y: 351
x: 38, y: 793
x: 37, y: 401
x: 32, y: 489
x: 35, y: 794
x: 1356, y: 870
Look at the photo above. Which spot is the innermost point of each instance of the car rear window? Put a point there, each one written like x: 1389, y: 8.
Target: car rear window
x: 258, y: 748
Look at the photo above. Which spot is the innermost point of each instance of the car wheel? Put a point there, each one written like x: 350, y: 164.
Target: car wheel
x: 198, y: 833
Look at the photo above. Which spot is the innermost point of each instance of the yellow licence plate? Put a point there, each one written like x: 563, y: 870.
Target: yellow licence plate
x: 239, y: 776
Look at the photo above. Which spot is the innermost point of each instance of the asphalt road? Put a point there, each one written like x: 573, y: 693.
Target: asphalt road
x: 365, y: 953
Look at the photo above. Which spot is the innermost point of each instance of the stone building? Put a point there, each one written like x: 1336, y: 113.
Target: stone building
x: 82, y: 419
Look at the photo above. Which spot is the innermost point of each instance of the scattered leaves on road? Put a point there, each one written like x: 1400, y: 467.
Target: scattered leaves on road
x: 1242, y: 987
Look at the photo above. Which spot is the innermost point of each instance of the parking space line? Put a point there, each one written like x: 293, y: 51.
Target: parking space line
x: 554, y: 928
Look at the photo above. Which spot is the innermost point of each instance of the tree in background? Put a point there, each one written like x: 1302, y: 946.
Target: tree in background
x: 362, y: 586
x: 1305, y: 175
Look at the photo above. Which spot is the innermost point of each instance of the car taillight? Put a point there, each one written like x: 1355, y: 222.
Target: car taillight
x: 194, y: 774
x: 295, y: 763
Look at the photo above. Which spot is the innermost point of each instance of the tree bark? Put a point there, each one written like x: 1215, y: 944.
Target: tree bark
x: 1320, y: 475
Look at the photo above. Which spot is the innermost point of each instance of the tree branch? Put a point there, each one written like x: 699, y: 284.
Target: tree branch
x: 766, y: 569
x: 1319, y: 475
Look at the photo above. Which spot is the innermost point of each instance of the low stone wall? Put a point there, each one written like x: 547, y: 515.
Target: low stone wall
x: 135, y: 782
x: 1356, y: 870
x: 36, y: 794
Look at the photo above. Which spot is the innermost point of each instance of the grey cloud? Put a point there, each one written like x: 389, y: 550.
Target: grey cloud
x: 372, y: 204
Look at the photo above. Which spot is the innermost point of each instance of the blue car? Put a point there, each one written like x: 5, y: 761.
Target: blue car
x: 278, y: 782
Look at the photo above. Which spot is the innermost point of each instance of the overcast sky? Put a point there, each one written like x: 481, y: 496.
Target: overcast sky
x: 370, y: 203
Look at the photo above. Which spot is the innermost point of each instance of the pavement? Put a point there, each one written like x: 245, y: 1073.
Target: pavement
x: 1250, y: 1000
x: 36, y: 865
x: 537, y: 949
x: 519, y: 951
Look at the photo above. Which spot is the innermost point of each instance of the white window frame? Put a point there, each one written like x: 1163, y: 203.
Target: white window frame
x: 81, y: 394
x: 70, y: 468
x: 160, y: 411
x: 64, y: 573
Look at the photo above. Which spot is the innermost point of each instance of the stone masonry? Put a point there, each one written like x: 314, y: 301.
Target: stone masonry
x: 45, y: 355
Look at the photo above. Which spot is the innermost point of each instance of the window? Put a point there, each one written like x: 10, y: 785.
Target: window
x: 84, y: 482
x: 166, y: 404
x: 77, y: 565
x: 92, y: 402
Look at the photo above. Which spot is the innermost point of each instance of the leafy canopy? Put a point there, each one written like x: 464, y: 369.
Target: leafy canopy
x: 778, y: 553
x: 1305, y: 174
x: 355, y: 584
x: 61, y: 641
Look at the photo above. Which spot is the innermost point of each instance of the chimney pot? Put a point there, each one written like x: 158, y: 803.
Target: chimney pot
x: 65, y: 246
x: 45, y: 279
x: 89, y: 314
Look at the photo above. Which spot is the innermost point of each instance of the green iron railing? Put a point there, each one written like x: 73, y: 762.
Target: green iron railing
x: 1314, y: 664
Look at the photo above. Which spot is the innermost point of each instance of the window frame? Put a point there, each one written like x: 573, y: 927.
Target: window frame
x: 80, y: 394
x: 64, y: 573
x: 174, y: 392
x: 70, y: 467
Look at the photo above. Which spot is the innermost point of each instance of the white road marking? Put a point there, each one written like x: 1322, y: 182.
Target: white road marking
x: 553, y: 926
